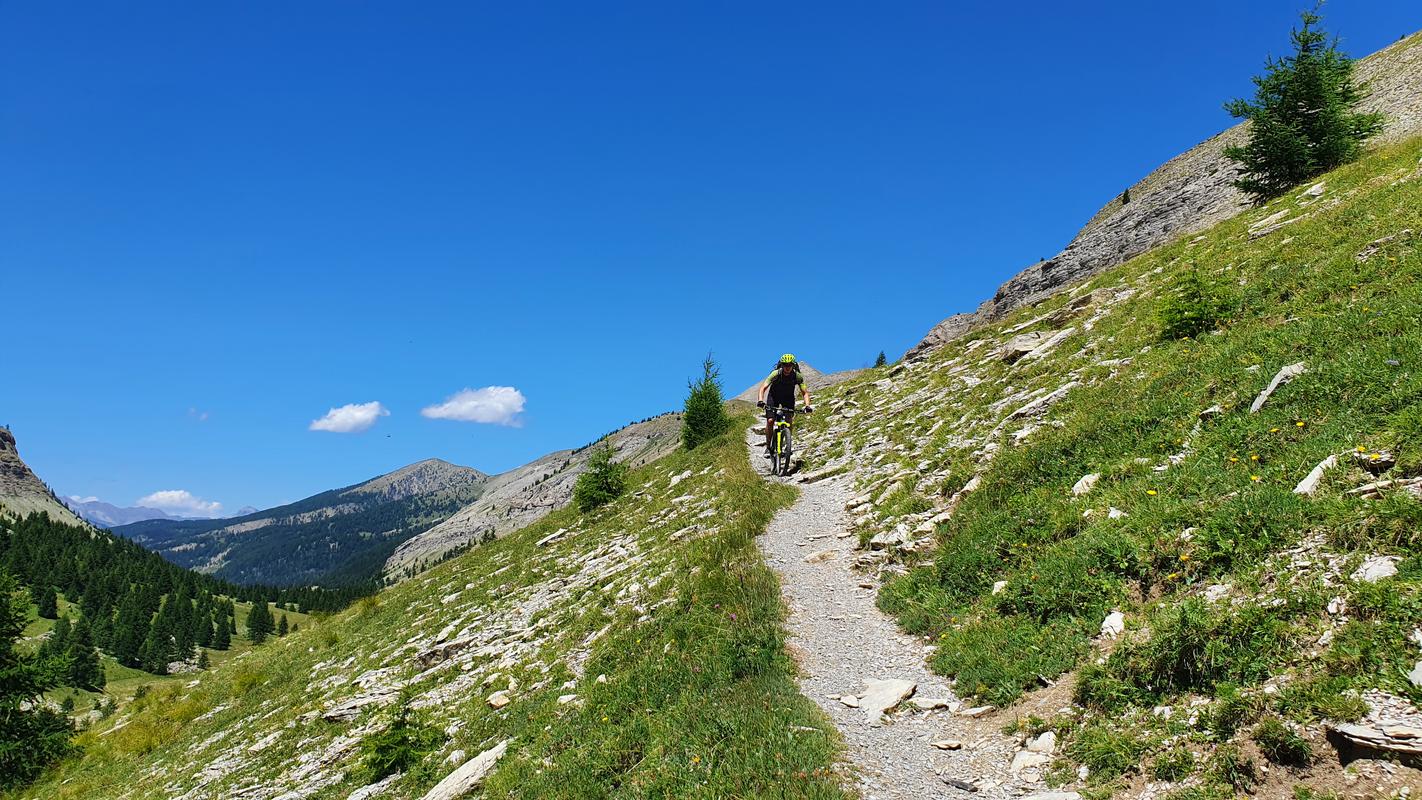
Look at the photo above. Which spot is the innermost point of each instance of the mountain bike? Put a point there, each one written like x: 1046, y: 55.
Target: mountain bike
x: 781, y: 446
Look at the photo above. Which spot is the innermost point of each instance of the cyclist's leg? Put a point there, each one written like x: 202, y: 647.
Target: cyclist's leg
x: 769, y: 427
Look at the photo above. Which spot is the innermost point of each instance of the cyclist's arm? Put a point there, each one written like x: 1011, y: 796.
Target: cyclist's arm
x: 764, y: 388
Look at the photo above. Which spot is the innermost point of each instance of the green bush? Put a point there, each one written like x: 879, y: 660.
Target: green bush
x: 1281, y: 745
x: 1106, y: 752
x: 602, y: 482
x: 1193, y: 305
x: 400, y: 745
x: 1302, y: 119
x: 704, y: 415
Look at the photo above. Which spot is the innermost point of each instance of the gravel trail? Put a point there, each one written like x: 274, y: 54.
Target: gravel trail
x: 842, y: 639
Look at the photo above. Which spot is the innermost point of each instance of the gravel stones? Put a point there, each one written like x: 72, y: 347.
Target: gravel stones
x: 846, y: 643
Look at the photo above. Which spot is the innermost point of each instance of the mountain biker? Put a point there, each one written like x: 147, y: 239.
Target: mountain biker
x: 780, y: 387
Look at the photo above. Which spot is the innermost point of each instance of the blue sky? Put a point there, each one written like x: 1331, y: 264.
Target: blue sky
x: 220, y: 221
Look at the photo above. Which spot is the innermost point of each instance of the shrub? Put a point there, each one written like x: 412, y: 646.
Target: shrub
x: 602, y: 482
x: 704, y: 416
x: 400, y: 745
x: 1281, y: 745
x: 1193, y: 305
x: 1302, y: 119
x: 1107, y: 753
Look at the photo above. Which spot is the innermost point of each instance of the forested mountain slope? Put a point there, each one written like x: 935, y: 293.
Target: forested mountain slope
x: 337, y: 537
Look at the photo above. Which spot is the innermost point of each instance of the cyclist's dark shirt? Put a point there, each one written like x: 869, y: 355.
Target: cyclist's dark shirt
x: 783, y: 387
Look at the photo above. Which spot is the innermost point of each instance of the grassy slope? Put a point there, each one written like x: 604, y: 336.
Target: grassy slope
x: 1223, y: 516
x: 663, y: 593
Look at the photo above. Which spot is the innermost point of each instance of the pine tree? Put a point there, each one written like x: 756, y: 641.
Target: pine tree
x: 282, y: 627
x: 31, y: 737
x: 1303, y: 120
x: 603, y: 481
x: 222, y: 637
x: 295, y: 626
x: 881, y: 360
x: 203, y: 661
x: 704, y: 416
x: 57, y: 643
x: 86, y: 669
x: 48, y: 602
x: 259, y: 622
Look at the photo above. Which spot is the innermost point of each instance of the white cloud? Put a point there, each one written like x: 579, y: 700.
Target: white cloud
x: 496, y: 405
x: 200, y: 416
x: 181, y: 500
x: 350, y: 418
x: 90, y: 499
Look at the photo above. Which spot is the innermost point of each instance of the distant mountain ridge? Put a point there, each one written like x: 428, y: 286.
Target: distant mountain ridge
x: 337, y: 537
x: 108, y: 515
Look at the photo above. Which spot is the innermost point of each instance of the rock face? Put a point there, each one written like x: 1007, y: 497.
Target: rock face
x: 521, y: 496
x: 1185, y: 195
x: 21, y: 491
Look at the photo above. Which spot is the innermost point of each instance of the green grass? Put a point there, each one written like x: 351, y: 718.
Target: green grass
x: 696, y: 698
x: 1222, y: 511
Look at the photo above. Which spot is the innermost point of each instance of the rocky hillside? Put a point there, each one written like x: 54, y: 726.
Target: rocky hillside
x: 336, y: 537
x: 21, y: 491
x: 632, y: 652
x: 1194, y: 562
x: 1184, y: 196
x: 524, y: 495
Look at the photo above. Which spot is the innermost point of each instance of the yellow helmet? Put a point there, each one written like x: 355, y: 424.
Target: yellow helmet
x: 788, y: 358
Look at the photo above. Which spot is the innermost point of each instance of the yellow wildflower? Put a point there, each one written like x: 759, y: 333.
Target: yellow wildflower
x: 1150, y: 492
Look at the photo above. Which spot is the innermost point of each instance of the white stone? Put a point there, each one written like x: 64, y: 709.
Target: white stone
x: 1315, y: 190
x: 1337, y: 606
x: 470, y: 776
x: 1056, y: 795
x: 888, y: 539
x: 821, y: 556
x: 1282, y: 377
x: 1218, y: 591
x: 1114, y: 625
x: 1309, y: 484
x: 1415, y: 676
x: 998, y: 587
x: 884, y: 695
x: 374, y: 789
x: 1376, y: 568
x: 1086, y: 484
x: 564, y: 699
x: 977, y: 711
x: 499, y: 699
x: 948, y: 744
x: 849, y: 700
x: 1026, y: 759
x: 1046, y: 743
x: 675, y: 479
x: 1115, y: 513
x: 930, y: 703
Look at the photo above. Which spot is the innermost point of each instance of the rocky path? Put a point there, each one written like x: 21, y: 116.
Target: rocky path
x: 847, y: 647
